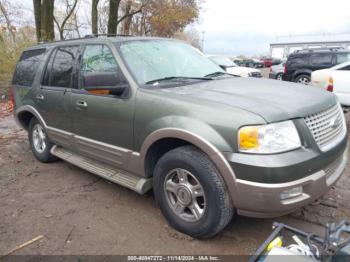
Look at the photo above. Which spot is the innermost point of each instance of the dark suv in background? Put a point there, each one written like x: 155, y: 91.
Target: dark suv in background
x: 301, y: 63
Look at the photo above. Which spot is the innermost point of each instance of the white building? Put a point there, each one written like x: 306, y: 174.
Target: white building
x: 285, y: 45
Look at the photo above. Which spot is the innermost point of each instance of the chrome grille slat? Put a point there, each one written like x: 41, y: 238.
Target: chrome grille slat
x: 320, y: 125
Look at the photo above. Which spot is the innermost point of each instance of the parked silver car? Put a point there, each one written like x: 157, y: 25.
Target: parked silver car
x: 276, y: 71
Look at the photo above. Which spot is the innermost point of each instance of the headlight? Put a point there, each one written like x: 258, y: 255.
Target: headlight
x: 268, y: 139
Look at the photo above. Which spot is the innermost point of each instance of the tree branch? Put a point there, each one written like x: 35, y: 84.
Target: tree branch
x: 61, y: 28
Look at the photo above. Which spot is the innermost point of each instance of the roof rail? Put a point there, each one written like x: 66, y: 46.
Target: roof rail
x: 305, y: 50
x: 85, y: 37
x: 106, y: 35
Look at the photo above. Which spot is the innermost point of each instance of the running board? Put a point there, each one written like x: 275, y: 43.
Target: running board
x: 123, y: 178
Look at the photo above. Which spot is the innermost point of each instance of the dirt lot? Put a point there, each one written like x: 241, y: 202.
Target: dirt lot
x: 79, y: 213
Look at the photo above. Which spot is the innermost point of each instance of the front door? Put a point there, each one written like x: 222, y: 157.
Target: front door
x: 52, y: 98
x: 102, y: 122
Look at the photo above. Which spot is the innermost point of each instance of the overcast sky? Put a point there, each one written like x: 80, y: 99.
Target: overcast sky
x: 247, y: 27
x: 236, y: 27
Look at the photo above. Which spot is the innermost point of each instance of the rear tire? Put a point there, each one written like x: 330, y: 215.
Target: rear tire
x: 39, y: 142
x: 279, y: 76
x: 191, y: 193
x: 303, y: 79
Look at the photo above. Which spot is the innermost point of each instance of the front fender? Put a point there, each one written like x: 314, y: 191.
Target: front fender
x: 194, y: 129
x: 196, y: 133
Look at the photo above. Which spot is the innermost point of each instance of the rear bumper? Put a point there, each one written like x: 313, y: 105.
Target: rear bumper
x: 257, y: 199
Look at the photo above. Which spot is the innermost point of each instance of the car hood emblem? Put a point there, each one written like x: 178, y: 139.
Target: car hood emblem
x: 335, y: 122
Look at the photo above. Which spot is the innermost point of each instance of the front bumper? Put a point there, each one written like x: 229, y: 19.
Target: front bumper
x: 258, y: 199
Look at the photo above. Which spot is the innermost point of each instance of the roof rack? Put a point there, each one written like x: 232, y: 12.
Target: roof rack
x: 85, y: 37
x: 306, y: 50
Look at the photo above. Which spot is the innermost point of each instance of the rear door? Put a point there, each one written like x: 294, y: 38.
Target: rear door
x: 52, y: 98
x: 102, y: 122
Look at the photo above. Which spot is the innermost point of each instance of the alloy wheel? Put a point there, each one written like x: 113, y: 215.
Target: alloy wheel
x: 39, y: 138
x: 185, y: 195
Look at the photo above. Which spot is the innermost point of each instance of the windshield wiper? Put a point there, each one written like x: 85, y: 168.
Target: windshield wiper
x: 218, y: 73
x: 180, y: 78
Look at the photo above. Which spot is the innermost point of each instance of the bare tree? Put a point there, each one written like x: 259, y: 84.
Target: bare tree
x: 47, y: 26
x: 113, y: 18
x: 94, y: 17
x: 43, y: 14
x: 70, y: 7
x: 127, y: 21
x: 10, y: 28
x: 37, y: 17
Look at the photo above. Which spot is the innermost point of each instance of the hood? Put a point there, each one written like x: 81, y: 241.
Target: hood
x: 272, y: 100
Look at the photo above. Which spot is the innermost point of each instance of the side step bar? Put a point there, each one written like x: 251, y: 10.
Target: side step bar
x: 123, y: 178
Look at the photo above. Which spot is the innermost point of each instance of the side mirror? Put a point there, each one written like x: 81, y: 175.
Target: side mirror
x: 104, y: 83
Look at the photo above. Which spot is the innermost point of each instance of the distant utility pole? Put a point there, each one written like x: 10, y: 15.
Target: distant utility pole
x: 203, y: 33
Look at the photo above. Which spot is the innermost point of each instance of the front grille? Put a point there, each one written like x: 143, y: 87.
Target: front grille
x: 327, y: 127
x: 255, y: 74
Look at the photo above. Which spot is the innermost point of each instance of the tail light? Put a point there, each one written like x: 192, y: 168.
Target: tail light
x: 285, y: 69
x: 330, y: 85
x: 11, y: 95
x: 11, y: 102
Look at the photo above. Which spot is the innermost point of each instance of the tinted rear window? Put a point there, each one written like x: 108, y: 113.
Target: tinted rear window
x: 321, y: 59
x: 297, y: 60
x: 27, y: 66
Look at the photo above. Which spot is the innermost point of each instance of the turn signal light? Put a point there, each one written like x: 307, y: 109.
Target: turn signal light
x: 249, y: 137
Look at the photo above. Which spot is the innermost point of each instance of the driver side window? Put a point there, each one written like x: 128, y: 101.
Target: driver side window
x: 99, y: 69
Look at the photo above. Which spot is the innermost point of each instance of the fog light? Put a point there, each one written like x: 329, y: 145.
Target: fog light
x: 291, y: 193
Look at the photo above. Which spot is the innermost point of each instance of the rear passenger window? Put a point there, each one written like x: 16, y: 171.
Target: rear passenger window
x: 321, y: 59
x: 60, y: 67
x: 27, y: 66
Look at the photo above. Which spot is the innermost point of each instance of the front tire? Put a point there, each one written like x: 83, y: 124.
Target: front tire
x: 39, y: 142
x: 191, y: 193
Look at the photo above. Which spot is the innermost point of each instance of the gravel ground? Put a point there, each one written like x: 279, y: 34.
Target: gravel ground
x: 79, y: 213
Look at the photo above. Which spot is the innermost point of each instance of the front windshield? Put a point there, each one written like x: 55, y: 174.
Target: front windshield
x: 222, y: 61
x: 156, y: 59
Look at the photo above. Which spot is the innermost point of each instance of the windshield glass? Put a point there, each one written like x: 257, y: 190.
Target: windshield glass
x: 222, y: 61
x: 156, y: 59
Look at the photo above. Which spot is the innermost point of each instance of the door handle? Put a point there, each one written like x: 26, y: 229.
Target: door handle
x: 81, y: 104
x: 40, y: 97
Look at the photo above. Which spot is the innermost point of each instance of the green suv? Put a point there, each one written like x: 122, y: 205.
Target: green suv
x: 153, y: 113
